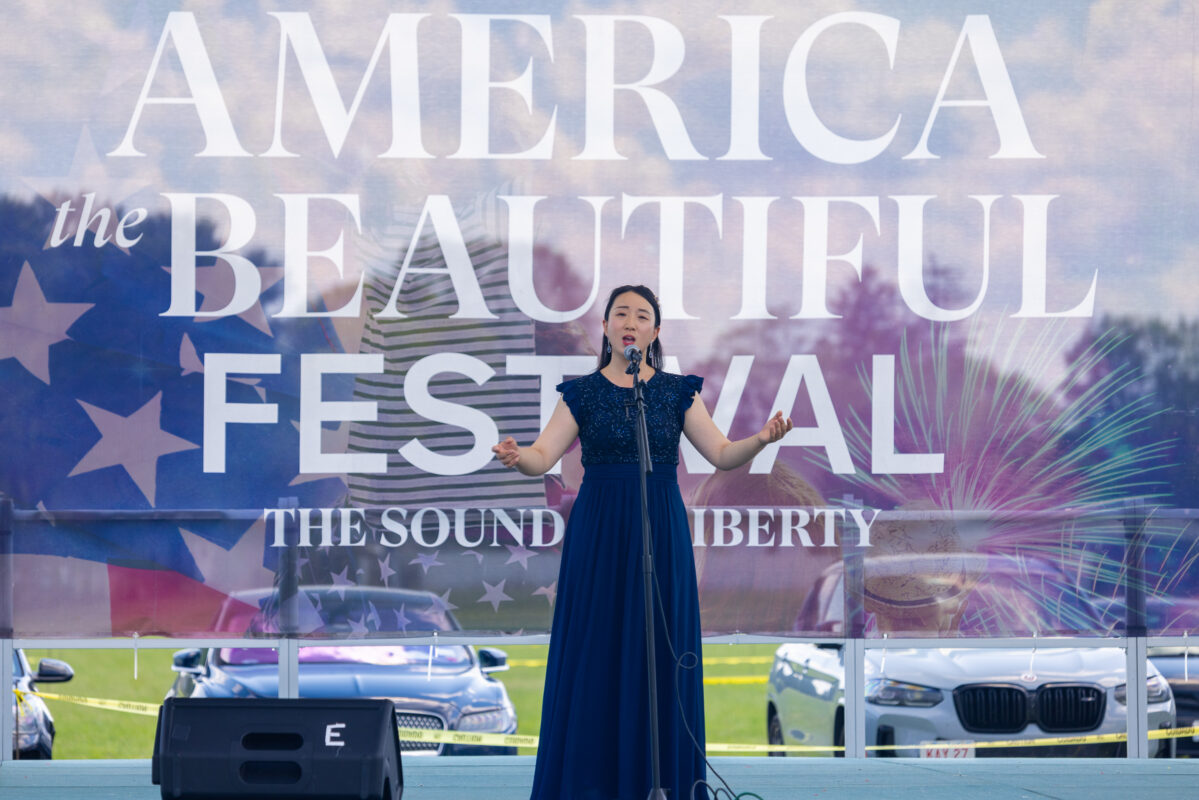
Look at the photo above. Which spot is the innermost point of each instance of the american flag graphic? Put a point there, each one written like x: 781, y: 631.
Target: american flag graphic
x: 103, y: 415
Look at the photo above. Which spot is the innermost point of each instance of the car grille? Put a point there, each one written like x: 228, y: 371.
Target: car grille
x: 1056, y: 708
x: 1186, y: 699
x: 424, y: 722
x: 992, y: 709
x: 1069, y: 709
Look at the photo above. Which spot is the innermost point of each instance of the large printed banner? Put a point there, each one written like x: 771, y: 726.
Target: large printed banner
x: 275, y: 276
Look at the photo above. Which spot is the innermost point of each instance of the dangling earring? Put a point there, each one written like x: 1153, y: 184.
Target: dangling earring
x: 607, y: 346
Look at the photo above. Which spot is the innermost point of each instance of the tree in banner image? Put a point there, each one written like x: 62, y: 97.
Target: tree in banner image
x: 1162, y: 359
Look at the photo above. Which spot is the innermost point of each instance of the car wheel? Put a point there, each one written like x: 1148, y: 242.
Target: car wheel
x: 774, y: 732
x: 43, y: 752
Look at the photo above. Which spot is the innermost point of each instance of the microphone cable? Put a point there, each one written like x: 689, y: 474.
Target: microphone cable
x: 692, y: 660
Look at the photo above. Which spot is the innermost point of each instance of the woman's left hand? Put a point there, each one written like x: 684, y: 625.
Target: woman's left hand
x: 776, y: 428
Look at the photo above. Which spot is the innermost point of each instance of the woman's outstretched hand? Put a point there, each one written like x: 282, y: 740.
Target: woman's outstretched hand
x: 776, y: 428
x: 507, y: 451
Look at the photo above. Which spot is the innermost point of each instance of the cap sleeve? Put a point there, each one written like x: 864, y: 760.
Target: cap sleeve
x: 692, y: 385
x: 572, y: 395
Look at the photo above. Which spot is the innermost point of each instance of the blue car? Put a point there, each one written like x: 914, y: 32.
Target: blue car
x: 443, y: 687
x: 34, y: 732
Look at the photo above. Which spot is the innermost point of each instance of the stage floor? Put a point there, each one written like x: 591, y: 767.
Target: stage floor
x: 509, y: 778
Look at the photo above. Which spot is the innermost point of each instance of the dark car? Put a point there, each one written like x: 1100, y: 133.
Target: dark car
x: 434, y: 687
x: 1180, y: 667
x: 33, y: 736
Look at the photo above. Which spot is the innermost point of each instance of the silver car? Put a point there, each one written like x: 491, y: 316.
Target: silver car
x: 930, y: 701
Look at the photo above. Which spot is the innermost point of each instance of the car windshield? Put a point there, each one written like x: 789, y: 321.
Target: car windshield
x: 1007, y: 603
x: 16, y: 665
x: 325, y: 613
x: 379, y: 655
x: 998, y: 596
x: 322, y: 612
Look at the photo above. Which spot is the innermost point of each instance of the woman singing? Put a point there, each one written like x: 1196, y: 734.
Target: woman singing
x: 594, y: 740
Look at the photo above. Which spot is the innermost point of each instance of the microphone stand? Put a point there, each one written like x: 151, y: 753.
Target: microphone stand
x: 656, y: 791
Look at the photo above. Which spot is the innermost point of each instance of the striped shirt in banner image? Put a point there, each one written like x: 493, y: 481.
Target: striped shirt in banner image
x: 427, y: 300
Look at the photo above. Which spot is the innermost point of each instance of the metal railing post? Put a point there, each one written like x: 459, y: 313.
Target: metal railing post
x: 1136, y: 629
x: 288, y: 582
x: 7, y: 719
x: 1136, y: 672
x: 854, y: 654
x: 289, y: 668
x: 855, y: 697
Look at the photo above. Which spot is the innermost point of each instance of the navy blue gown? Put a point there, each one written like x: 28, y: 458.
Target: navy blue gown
x: 594, y: 739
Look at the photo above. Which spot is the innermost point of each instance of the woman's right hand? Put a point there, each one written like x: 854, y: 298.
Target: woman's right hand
x: 508, y: 452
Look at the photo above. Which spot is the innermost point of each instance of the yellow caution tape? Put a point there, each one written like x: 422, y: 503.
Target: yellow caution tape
x: 740, y: 660
x: 519, y: 740
x: 1095, y: 738
x: 713, y: 747
x: 735, y: 680
x: 1174, y: 733
x: 464, y: 737
x: 129, y: 706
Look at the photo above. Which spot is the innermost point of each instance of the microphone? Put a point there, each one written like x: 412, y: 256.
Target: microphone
x: 633, y: 353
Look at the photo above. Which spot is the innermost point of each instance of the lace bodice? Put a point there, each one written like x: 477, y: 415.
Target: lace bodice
x: 605, y: 415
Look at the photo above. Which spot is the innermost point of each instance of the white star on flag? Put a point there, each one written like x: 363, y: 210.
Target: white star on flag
x: 402, y: 619
x: 385, y: 570
x: 442, y: 602
x: 550, y: 592
x: 215, y: 285
x: 190, y: 361
x: 494, y: 595
x: 334, y: 441
x: 88, y: 174
x: 519, y: 553
x: 31, y: 325
x: 237, y: 568
x: 135, y: 442
x: 340, y: 581
x: 427, y: 560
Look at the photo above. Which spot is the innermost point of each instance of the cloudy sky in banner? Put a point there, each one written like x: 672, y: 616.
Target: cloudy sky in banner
x: 749, y: 111
x: 1105, y: 90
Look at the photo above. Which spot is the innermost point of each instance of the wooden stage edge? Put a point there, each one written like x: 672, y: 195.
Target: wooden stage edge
x: 509, y: 778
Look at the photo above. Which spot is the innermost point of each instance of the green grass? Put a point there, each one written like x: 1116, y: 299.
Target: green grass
x: 733, y: 713
x: 83, y: 732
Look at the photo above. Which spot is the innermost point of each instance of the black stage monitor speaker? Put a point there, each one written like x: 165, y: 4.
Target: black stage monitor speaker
x: 218, y: 749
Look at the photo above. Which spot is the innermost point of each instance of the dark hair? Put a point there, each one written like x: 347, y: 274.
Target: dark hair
x: 653, y: 356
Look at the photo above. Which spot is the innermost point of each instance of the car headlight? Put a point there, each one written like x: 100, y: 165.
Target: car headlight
x: 886, y: 692
x: 1157, y: 690
x: 499, y: 719
x: 27, y: 727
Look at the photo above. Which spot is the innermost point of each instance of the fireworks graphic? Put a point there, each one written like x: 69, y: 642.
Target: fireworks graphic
x: 1041, y: 471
